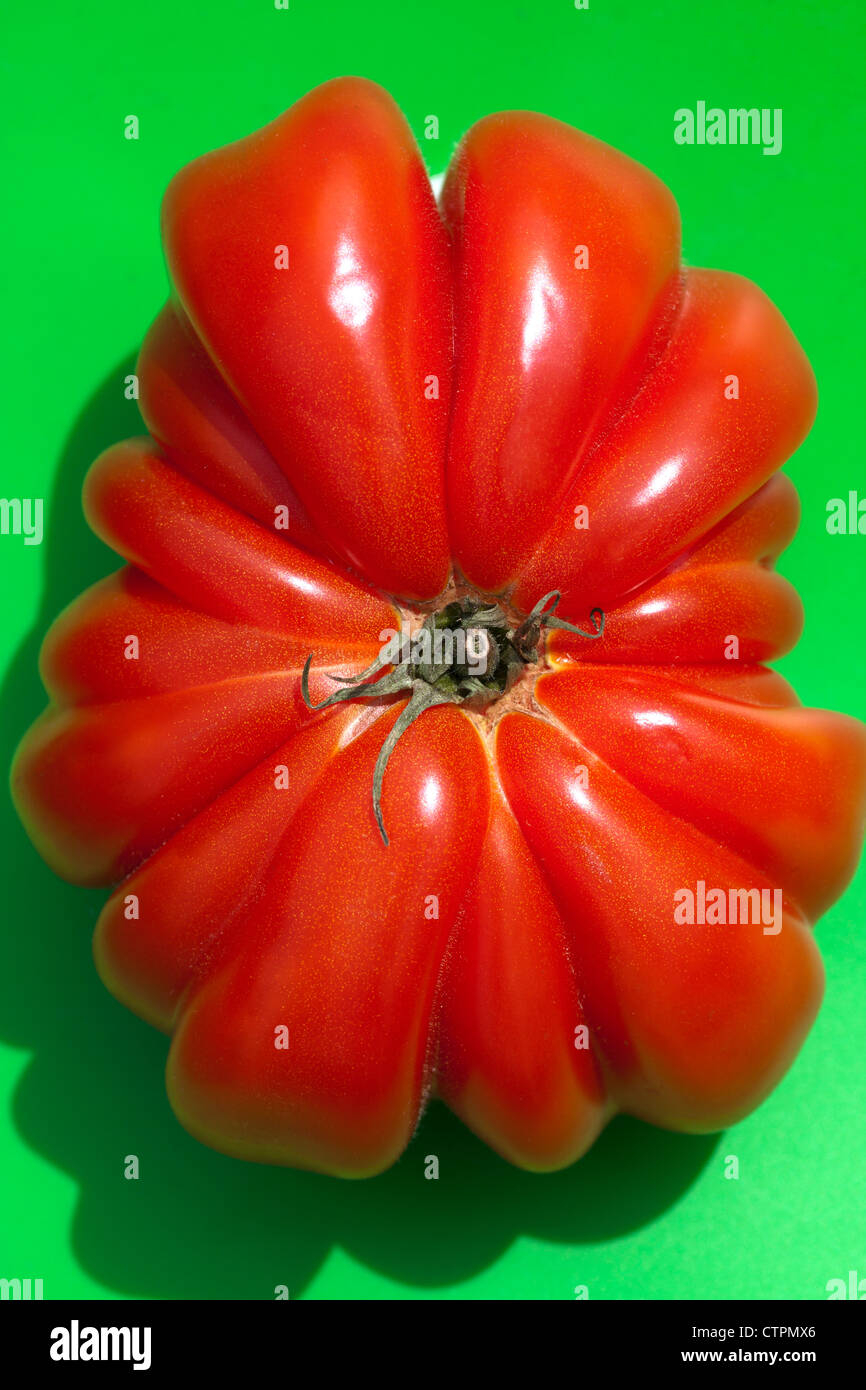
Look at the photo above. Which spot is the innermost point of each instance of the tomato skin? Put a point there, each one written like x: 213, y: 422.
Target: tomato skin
x: 743, y: 774
x: 345, y: 1095
x: 674, y: 1058
x: 200, y: 427
x: 509, y: 1061
x: 303, y: 489
x: 182, y: 890
x: 684, y: 455
x: 521, y: 191
x: 330, y: 355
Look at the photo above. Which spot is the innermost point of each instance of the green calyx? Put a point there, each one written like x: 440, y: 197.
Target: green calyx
x: 464, y: 652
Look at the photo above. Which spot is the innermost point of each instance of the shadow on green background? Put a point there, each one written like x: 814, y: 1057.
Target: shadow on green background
x: 198, y: 1224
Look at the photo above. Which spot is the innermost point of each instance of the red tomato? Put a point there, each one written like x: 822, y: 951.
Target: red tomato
x: 364, y: 412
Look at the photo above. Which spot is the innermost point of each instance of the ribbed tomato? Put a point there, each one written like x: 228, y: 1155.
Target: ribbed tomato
x: 367, y: 414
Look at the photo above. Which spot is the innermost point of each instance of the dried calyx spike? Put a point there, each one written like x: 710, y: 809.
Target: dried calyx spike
x: 464, y: 652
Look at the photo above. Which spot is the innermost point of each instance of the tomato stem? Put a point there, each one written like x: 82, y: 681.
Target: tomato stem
x: 465, y: 651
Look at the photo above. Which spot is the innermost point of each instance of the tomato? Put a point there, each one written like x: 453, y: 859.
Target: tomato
x: 565, y: 866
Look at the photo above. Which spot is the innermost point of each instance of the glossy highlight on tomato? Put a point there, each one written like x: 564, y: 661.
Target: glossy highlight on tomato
x: 365, y: 409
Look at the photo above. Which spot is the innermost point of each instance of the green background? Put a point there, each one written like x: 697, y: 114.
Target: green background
x: 646, y: 1214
